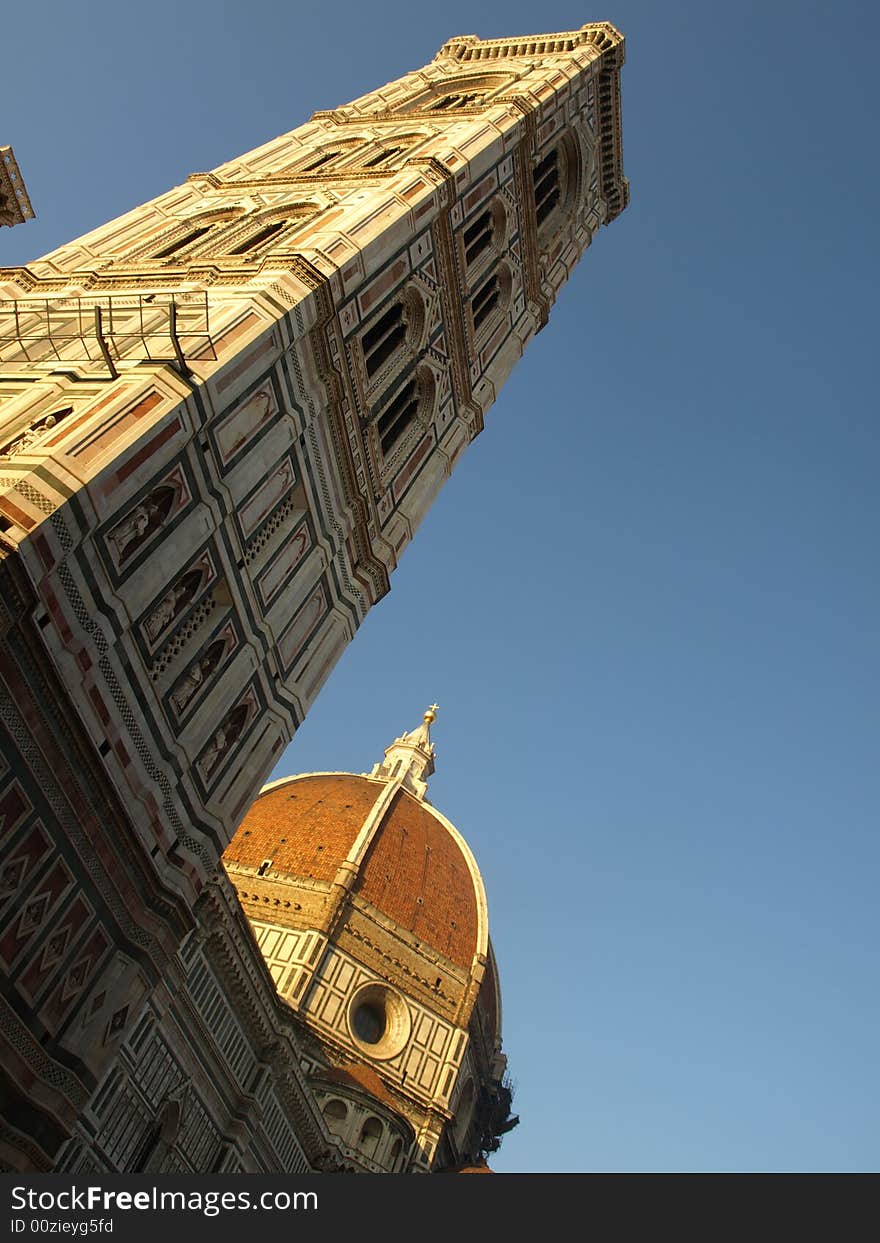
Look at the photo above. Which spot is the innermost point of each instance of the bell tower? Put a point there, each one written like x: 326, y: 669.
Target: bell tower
x: 222, y: 418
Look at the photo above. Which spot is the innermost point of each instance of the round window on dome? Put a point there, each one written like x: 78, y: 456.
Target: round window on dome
x: 368, y: 1021
x: 378, y: 1020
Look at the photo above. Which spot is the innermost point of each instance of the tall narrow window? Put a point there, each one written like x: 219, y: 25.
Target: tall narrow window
x: 485, y: 300
x: 545, y: 178
x: 477, y: 236
x: 380, y: 342
x: 320, y: 162
x: 394, y: 421
x: 382, y: 157
x: 451, y: 103
x: 188, y: 238
x: 257, y: 239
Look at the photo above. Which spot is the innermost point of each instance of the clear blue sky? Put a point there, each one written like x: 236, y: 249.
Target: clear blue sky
x: 647, y: 602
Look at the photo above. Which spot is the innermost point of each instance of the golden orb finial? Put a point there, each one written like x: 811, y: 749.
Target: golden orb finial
x: 431, y: 714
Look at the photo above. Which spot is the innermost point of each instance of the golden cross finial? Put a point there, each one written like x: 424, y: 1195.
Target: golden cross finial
x: 431, y: 714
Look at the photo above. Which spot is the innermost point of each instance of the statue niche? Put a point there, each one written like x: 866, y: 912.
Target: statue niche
x: 140, y: 523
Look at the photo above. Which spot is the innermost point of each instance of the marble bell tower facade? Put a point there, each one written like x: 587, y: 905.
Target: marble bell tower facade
x: 222, y: 418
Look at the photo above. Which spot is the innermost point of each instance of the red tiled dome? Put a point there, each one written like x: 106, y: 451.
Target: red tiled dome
x: 306, y: 826
x: 415, y: 871
x: 416, y: 874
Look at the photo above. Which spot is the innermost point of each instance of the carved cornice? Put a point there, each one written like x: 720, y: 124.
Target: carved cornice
x: 614, y: 186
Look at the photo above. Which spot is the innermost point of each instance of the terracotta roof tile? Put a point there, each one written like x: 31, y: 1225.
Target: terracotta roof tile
x: 365, y: 1079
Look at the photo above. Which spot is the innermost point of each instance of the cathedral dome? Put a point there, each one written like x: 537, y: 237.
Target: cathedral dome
x: 398, y: 853
x: 370, y: 912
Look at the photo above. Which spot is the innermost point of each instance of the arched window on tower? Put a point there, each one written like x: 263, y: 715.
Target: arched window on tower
x: 454, y: 93
x: 545, y: 179
x: 393, y: 337
x: 455, y: 101
x: 187, y: 235
x: 258, y: 239
x: 407, y: 412
x: 483, y: 235
x: 254, y: 235
x: 385, y: 337
x: 490, y: 300
x: 337, y: 150
x: 382, y: 157
x: 478, y: 237
x: 320, y: 161
x: 556, y: 180
x: 185, y: 239
x: 485, y: 300
x: 398, y: 415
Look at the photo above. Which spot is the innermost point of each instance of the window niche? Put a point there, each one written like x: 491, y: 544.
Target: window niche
x: 188, y: 237
x: 370, y: 1137
x: 258, y: 239
x: 336, y: 1116
x: 490, y: 300
x: 385, y: 154
x: 263, y: 232
x: 483, y: 235
x: 545, y: 182
x: 455, y: 101
x: 556, y: 178
x: 325, y: 160
x: 383, y: 157
x: 459, y: 94
x: 394, y: 336
x: 407, y: 411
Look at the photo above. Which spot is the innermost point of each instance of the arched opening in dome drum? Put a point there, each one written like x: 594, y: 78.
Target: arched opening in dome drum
x: 369, y: 1022
x: 380, y: 341
x: 395, y: 420
x: 336, y: 1116
x: 370, y: 1136
x: 545, y: 178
